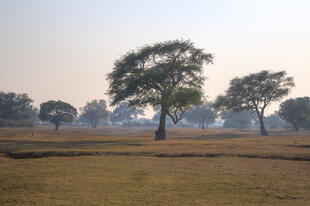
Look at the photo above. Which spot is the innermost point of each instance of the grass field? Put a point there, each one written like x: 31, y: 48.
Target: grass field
x: 117, y: 166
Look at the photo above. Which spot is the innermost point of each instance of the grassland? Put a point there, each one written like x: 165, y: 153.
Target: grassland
x: 114, y: 166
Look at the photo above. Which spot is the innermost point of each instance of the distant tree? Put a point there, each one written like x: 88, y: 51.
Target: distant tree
x: 240, y: 120
x: 273, y: 121
x: 167, y: 74
x: 125, y: 112
x: 15, y: 106
x: 255, y: 92
x: 204, y: 115
x: 33, y: 114
x: 296, y: 112
x: 94, y: 112
x: 57, y: 112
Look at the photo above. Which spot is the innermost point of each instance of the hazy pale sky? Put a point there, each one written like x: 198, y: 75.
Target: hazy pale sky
x: 63, y: 49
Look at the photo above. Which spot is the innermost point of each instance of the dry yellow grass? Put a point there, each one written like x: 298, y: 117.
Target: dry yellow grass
x: 135, y: 174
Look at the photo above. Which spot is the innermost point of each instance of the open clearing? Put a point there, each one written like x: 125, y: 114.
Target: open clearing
x: 118, y: 166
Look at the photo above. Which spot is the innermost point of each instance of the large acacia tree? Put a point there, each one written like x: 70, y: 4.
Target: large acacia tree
x: 255, y: 92
x: 167, y: 74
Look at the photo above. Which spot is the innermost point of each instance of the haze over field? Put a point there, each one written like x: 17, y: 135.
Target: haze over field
x: 64, y: 49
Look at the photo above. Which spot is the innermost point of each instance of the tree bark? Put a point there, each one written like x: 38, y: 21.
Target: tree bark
x: 203, y: 124
x: 94, y: 124
x: 295, y: 126
x: 160, y: 134
x: 56, y: 126
x: 263, y: 131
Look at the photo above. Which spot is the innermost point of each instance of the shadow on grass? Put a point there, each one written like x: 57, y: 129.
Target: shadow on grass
x: 215, y: 136
x: 16, y: 145
x: 25, y: 155
x: 299, y: 146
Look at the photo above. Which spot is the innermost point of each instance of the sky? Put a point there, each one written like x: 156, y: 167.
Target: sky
x: 63, y: 49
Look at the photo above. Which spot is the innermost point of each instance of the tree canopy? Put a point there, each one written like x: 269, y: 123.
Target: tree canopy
x: 57, y: 112
x: 255, y: 92
x: 15, y: 106
x: 296, y: 112
x: 94, y: 112
x: 16, y: 110
x: 166, y: 74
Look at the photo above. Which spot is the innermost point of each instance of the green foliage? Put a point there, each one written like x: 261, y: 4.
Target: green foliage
x: 167, y: 74
x: 204, y: 115
x: 125, y: 112
x: 159, y: 75
x: 15, y: 106
x: 57, y: 112
x: 296, y: 112
x: 94, y: 112
x: 255, y: 92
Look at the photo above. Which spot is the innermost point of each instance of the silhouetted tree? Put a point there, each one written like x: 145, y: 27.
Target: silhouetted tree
x: 204, y: 115
x: 125, y: 112
x: 57, y: 112
x: 296, y: 112
x: 167, y: 74
x: 94, y: 112
x: 255, y: 92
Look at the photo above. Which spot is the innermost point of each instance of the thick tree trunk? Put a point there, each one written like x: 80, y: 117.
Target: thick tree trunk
x: 160, y: 134
x: 263, y: 131
x: 128, y: 122
x: 56, y: 126
x: 94, y: 124
x: 295, y: 126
